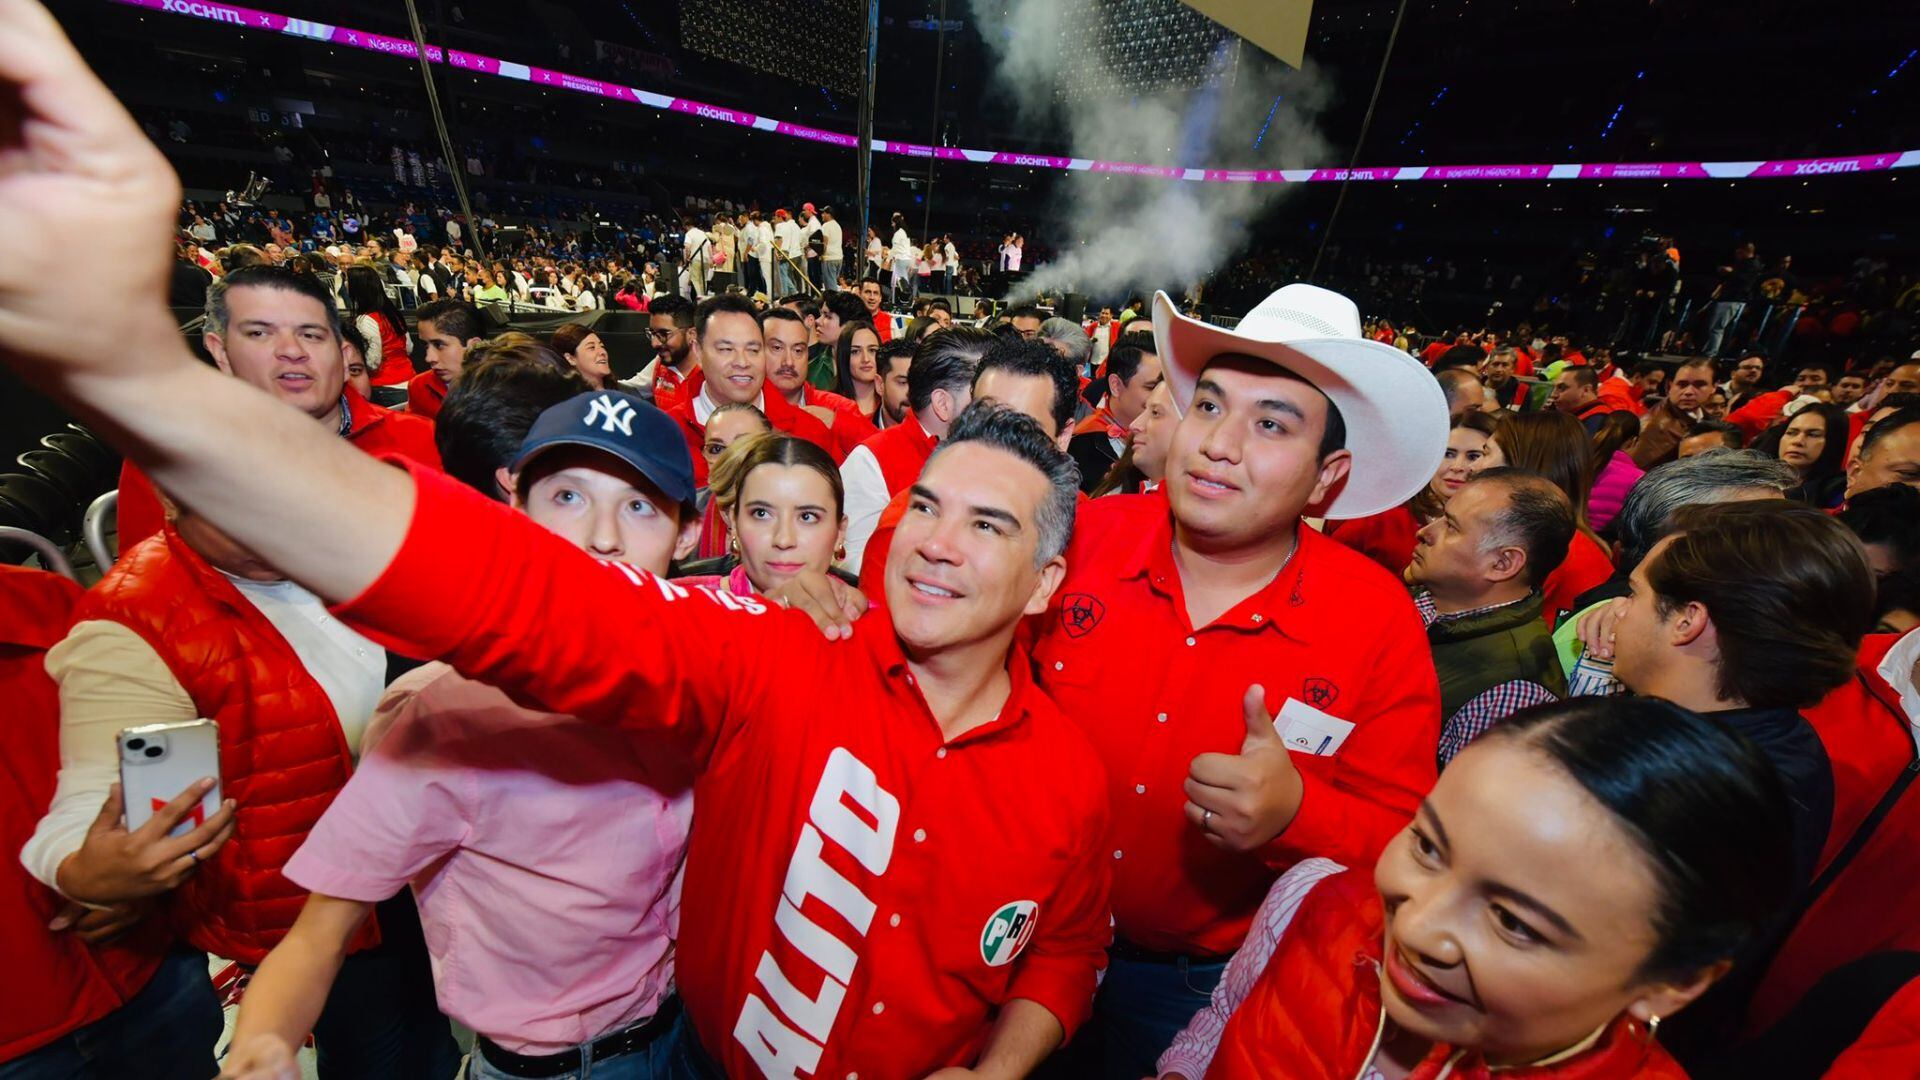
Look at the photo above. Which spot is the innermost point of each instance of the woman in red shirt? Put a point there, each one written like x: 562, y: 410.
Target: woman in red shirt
x: 1388, y: 537
x: 1581, y: 872
x: 1556, y: 446
x: 367, y: 299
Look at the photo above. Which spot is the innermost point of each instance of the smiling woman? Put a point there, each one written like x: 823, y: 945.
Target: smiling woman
x: 1581, y: 872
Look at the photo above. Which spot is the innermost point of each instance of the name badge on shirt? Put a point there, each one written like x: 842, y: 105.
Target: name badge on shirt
x: 1310, y: 731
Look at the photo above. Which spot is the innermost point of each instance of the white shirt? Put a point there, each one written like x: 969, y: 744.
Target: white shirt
x: 831, y: 236
x: 902, y: 246
x: 953, y: 256
x: 866, y: 495
x: 697, y: 249
x: 1014, y: 255
x: 1897, y: 668
x: 875, y: 250
x: 704, y: 405
x: 765, y: 245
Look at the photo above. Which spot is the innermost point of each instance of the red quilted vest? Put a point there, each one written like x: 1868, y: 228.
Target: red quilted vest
x: 282, y: 755
x: 57, y: 983
x: 1314, y: 1013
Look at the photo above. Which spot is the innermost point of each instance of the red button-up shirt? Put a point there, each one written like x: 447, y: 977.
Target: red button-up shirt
x: 1332, y: 631
x: 861, y: 894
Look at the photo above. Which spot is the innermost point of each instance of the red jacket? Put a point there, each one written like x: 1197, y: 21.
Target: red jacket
x: 1891, y: 1044
x: 425, y: 394
x: 1861, y: 911
x: 783, y: 417
x: 861, y: 894
x: 1760, y: 412
x: 1586, y: 566
x: 850, y: 426
x: 1315, y: 1012
x: 396, y: 367
x: 282, y: 755
x: 372, y: 428
x: 1387, y: 537
x: 55, y: 983
x: 901, y: 452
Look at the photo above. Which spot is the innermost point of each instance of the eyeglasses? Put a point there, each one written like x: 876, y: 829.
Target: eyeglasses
x: 662, y: 335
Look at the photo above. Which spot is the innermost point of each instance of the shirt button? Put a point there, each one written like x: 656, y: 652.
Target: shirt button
x: 941, y: 753
x: 1116, y: 854
x: 879, y: 1007
x: 1139, y: 789
x: 1162, y: 718
x: 1257, y: 617
x: 1057, y: 665
x: 919, y: 836
x: 894, y: 919
x: 1189, y: 641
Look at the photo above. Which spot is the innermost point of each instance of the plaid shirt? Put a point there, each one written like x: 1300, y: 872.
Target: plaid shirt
x: 1474, y: 718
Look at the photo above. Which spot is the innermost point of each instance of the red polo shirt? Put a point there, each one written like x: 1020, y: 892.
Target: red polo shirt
x: 1333, y: 632
x: 783, y: 417
x: 666, y: 386
x: 861, y: 895
x: 426, y: 392
x: 372, y: 428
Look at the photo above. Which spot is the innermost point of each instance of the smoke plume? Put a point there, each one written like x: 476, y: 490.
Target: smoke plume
x: 1114, y: 234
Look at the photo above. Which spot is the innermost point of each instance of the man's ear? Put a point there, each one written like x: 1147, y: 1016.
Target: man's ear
x: 1051, y: 575
x: 1507, y: 564
x: 1690, y: 624
x: 507, y: 486
x: 1114, y: 386
x: 217, y: 348
x: 689, y: 538
x: 1332, y: 470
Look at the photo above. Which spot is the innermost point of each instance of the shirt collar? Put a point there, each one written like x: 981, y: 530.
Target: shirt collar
x: 704, y: 405
x: 357, y: 414
x: 1430, y: 612
x: 876, y: 631
x: 1274, y: 605
x: 1897, y: 668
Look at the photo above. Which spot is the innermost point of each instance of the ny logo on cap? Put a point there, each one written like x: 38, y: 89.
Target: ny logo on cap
x: 611, y: 414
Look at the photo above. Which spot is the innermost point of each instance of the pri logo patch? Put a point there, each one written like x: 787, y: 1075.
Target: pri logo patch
x: 1080, y: 613
x: 1008, y: 931
x: 1319, y: 693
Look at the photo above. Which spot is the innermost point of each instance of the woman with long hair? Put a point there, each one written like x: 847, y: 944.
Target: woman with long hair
x: 1389, y: 537
x: 380, y: 323
x: 1578, y: 875
x: 1614, y: 470
x: 585, y: 353
x: 783, y: 503
x: 1556, y: 446
x: 730, y: 423
x: 1813, y: 441
x: 857, y: 367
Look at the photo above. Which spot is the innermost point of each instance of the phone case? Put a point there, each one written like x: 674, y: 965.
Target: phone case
x: 159, y: 761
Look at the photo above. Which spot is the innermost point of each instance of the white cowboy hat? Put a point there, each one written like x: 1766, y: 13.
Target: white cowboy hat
x: 1394, y: 409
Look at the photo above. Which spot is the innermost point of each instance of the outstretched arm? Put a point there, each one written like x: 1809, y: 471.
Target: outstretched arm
x: 76, y: 174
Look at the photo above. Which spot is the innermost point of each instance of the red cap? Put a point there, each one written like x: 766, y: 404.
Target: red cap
x: 808, y: 207
x: 782, y: 213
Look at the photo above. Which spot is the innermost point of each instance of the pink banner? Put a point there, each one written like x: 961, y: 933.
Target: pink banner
x: 252, y: 19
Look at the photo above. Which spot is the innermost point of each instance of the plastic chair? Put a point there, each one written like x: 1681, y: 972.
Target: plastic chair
x: 69, y: 474
x: 98, y: 456
x: 102, y: 517
x: 30, y: 502
x: 49, y: 552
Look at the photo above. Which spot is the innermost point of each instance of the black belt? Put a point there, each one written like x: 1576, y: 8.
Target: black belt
x: 1127, y: 950
x: 625, y: 1041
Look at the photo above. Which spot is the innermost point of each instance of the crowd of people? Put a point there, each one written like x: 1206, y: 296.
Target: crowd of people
x: 865, y: 689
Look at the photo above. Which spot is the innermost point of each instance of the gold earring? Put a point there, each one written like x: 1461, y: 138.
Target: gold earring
x: 733, y: 545
x: 1653, y: 1029
x: 840, y: 553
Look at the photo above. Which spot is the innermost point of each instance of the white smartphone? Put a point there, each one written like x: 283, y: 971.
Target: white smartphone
x: 159, y: 761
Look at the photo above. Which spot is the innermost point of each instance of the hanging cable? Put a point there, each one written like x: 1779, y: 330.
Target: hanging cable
x: 1366, y: 122
x: 454, y: 169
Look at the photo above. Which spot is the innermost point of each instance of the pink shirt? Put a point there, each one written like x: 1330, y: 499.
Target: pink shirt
x: 545, y: 854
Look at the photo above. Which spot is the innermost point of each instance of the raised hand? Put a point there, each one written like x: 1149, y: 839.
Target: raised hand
x: 260, y: 1057
x: 87, y: 205
x: 1242, y: 801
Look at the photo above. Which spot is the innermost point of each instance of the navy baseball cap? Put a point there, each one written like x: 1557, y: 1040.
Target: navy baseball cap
x: 624, y: 426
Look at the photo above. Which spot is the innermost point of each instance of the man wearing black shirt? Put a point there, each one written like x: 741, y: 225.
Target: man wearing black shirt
x: 1738, y: 280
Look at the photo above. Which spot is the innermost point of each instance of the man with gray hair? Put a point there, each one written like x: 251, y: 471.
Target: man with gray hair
x: 1477, y: 573
x: 1070, y: 341
x: 1584, y: 639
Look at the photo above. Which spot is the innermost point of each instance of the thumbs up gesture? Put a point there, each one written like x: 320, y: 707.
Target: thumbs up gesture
x: 1242, y: 801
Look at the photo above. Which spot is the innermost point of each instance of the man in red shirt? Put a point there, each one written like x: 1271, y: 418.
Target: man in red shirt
x: 870, y: 295
x: 733, y: 369
x: 670, y: 327
x: 1189, y: 619
x: 1577, y: 393
x: 783, y: 335
x: 448, y: 328
x: 898, y: 875
x: 276, y: 330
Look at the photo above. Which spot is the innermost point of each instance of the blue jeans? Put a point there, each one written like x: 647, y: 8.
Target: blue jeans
x: 1140, y: 1008
x: 167, y: 1032
x: 1722, y: 318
